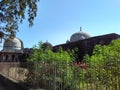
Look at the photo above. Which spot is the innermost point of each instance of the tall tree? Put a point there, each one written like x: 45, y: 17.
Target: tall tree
x: 13, y: 12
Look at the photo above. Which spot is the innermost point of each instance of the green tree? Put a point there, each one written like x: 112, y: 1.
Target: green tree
x: 104, y: 64
x: 13, y: 12
x: 53, y: 68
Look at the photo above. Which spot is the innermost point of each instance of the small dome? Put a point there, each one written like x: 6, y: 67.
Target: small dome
x: 28, y: 50
x: 79, y: 36
x: 47, y: 44
x: 13, y: 45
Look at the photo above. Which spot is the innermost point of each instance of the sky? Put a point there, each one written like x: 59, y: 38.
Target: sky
x: 57, y: 20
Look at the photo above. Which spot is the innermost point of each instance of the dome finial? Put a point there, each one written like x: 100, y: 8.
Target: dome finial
x: 12, y: 35
x: 80, y: 28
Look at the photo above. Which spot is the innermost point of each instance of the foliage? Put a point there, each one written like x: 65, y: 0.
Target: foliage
x: 13, y: 12
x: 104, y: 64
x: 47, y: 54
x: 49, y: 66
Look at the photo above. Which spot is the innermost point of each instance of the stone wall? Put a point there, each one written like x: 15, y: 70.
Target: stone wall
x: 13, y: 70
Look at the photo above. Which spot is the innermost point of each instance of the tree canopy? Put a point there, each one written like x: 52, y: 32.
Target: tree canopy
x: 13, y: 12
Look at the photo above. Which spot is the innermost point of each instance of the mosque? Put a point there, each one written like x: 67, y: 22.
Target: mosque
x: 14, y: 51
x: 83, y: 43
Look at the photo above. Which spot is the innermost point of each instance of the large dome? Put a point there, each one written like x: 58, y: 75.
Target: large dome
x: 13, y: 45
x: 79, y: 36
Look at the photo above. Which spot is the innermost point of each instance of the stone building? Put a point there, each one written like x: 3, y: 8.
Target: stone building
x: 13, y: 50
x: 84, y: 44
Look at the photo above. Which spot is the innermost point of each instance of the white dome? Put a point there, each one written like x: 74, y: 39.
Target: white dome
x: 79, y: 36
x: 13, y: 45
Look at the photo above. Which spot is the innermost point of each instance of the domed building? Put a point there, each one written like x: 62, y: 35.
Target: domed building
x: 79, y: 36
x: 12, y: 49
x: 84, y: 44
x: 13, y: 44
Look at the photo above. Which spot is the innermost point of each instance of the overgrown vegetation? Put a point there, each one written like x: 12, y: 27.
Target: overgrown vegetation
x: 41, y: 53
x: 52, y: 67
x: 104, y: 64
x: 56, y: 70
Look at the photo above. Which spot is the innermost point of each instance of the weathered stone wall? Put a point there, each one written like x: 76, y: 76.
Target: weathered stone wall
x: 13, y: 70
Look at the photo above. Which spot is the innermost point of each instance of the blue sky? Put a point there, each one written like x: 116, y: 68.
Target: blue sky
x: 57, y: 20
